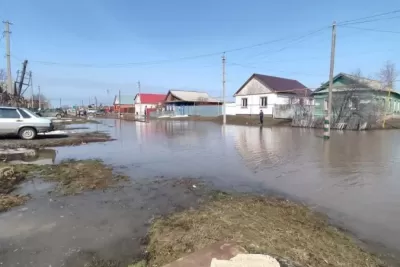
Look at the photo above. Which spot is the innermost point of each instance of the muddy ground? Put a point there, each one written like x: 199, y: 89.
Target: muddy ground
x: 98, y: 228
x: 55, y: 140
x: 85, y: 213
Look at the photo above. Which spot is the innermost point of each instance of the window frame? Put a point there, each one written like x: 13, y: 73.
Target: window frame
x: 22, y: 112
x: 14, y: 109
x: 266, y: 101
x: 243, y: 100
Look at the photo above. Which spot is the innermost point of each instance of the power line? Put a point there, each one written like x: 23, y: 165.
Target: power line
x: 367, y: 29
x: 369, y: 17
x: 366, y: 21
x: 156, y: 62
x: 275, y: 70
x: 293, y: 41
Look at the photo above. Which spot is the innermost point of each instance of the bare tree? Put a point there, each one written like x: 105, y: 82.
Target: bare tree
x: 2, y: 80
x: 345, y: 102
x: 388, y: 75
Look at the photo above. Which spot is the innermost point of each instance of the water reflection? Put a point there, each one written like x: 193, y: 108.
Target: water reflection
x: 354, y: 176
x: 38, y: 156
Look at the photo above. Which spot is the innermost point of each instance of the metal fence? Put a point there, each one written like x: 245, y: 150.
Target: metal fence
x: 205, y: 111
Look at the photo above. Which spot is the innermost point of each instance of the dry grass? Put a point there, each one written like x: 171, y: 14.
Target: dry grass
x: 72, y: 177
x: 261, y: 225
x: 8, y: 180
x: 9, y: 201
x: 75, y: 176
x: 46, y: 141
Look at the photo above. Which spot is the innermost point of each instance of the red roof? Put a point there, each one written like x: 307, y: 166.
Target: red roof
x: 151, y: 98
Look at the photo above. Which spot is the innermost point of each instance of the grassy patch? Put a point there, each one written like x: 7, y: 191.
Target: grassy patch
x: 74, y: 139
x: 8, y: 180
x: 74, y: 176
x: 9, y: 201
x: 68, y: 121
x: 261, y: 225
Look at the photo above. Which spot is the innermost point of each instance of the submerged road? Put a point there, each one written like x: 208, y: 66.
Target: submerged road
x: 353, y: 178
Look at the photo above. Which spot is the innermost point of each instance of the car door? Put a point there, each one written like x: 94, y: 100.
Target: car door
x: 10, y: 120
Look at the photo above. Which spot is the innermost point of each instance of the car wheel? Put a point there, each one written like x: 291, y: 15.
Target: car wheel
x: 58, y: 116
x: 27, y: 133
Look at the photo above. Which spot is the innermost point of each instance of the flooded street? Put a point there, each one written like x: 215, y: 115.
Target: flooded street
x: 352, y: 178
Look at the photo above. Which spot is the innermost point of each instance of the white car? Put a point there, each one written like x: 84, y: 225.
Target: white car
x: 23, y: 122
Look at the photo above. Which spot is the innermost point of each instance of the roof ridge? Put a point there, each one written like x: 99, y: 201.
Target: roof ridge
x: 275, y: 77
x: 360, y: 77
x: 151, y: 94
x: 180, y: 90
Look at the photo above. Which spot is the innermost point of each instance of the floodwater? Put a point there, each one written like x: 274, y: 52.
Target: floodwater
x: 355, y: 177
x: 351, y: 178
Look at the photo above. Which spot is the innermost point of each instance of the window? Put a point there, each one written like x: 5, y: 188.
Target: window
x: 24, y: 114
x: 244, y: 102
x: 263, y: 102
x: 354, y: 102
x: 8, y: 113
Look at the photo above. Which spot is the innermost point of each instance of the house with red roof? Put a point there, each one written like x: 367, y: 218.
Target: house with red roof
x: 263, y: 92
x: 148, y: 102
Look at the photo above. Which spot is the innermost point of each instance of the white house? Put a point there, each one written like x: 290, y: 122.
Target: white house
x: 262, y: 92
x: 149, y: 102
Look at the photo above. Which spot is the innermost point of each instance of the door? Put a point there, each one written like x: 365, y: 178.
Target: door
x: 10, y: 121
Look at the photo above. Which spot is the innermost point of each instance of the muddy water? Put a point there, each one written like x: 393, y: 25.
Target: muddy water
x: 354, y: 178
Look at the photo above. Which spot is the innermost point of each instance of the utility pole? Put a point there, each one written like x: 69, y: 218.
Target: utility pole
x: 95, y: 100
x: 30, y: 75
x: 60, y: 102
x: 8, y: 55
x: 327, y: 122
x: 140, y: 97
x: 223, y: 90
x: 119, y: 104
x: 39, y: 98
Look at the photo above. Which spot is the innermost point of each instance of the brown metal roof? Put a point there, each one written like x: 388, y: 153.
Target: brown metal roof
x: 277, y: 84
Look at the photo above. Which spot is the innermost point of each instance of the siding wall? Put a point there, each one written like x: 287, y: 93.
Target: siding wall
x: 139, y: 108
x: 254, y: 87
x: 254, y: 103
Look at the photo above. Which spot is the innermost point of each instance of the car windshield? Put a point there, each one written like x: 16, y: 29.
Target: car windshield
x: 30, y: 113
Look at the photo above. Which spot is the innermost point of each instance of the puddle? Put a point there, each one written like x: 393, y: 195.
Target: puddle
x: 34, y: 188
x: 35, y: 156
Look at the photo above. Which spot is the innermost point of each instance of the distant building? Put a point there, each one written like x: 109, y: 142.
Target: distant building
x: 192, y: 103
x: 263, y: 92
x: 148, y: 101
x: 359, y: 96
x: 126, y: 103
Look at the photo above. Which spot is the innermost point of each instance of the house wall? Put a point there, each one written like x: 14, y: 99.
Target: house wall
x: 254, y: 87
x: 124, y: 108
x: 230, y: 108
x: 389, y: 104
x: 139, y: 108
x: 254, y: 102
x: 254, y: 91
